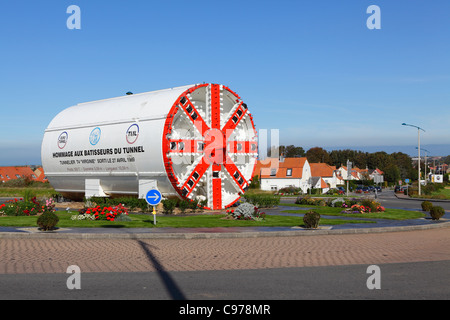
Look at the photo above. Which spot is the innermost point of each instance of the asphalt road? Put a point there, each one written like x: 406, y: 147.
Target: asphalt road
x: 407, y: 281
x: 389, y: 200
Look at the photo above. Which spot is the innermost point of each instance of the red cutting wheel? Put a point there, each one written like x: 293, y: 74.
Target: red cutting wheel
x: 210, y: 145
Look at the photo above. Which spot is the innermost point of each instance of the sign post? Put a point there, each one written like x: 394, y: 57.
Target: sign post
x: 153, y: 198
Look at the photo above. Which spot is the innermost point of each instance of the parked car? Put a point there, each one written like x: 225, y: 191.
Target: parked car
x: 378, y: 188
x: 398, y: 189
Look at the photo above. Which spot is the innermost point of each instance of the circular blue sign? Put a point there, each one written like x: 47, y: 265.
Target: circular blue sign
x: 132, y: 133
x: 94, y: 137
x: 153, y: 197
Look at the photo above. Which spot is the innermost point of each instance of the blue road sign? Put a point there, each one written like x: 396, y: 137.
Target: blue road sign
x: 153, y: 197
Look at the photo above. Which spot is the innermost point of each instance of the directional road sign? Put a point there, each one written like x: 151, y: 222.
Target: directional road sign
x: 153, y: 197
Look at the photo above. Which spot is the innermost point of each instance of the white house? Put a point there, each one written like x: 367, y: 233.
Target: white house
x: 275, y: 174
x: 326, y: 172
x: 356, y: 173
x: 319, y: 183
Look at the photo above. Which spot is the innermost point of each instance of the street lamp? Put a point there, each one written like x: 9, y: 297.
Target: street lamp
x: 418, y: 133
x: 426, y: 154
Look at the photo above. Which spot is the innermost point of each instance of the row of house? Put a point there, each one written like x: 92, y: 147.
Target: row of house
x: 20, y: 172
x: 275, y: 174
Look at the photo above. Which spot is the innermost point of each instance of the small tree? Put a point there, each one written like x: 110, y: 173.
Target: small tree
x: 311, y: 219
x: 426, y: 206
x: 437, y: 212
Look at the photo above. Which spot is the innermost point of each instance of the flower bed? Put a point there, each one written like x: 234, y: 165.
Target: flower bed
x: 246, y: 211
x: 366, y: 205
x: 101, y: 213
x: 20, y: 207
x: 357, y: 208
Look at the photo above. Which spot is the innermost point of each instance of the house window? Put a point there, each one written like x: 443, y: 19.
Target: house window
x: 289, y: 172
x: 273, y: 172
x: 18, y: 176
x: 273, y: 188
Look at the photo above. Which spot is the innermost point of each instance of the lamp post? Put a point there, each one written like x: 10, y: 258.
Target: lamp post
x: 418, y: 134
x: 426, y: 154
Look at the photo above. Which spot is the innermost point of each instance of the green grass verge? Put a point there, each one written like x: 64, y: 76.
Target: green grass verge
x: 392, y: 214
x: 19, y: 192
x: 146, y: 221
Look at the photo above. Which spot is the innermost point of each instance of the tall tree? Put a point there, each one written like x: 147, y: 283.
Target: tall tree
x: 317, y: 154
x: 292, y: 151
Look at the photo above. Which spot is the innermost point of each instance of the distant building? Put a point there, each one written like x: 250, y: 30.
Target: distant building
x: 19, y: 172
x: 326, y: 172
x: 290, y: 172
x: 275, y: 174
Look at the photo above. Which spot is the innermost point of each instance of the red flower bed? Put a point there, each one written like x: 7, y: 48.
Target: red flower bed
x: 107, y: 213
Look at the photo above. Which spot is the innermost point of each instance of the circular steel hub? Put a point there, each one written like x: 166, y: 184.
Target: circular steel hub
x: 210, y: 145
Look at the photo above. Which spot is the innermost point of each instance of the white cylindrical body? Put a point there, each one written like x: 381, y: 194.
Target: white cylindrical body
x: 128, y: 145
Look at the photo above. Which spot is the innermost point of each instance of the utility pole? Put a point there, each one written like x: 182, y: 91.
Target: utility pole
x: 349, y: 173
x: 418, y: 139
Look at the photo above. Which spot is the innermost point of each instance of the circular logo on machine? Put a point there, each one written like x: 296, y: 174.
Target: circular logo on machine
x: 132, y: 133
x: 94, y: 137
x: 62, y: 140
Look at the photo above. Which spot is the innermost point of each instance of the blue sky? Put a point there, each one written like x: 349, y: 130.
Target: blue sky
x: 311, y: 69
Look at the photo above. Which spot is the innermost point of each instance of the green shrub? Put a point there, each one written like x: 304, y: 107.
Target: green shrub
x: 47, y: 221
x: 194, y: 205
x: 130, y: 202
x: 426, y: 206
x: 183, y: 205
x: 437, y: 212
x: 289, y: 190
x: 311, y: 219
x: 303, y: 200
x: 169, y: 205
x: 262, y: 200
x: 338, y: 204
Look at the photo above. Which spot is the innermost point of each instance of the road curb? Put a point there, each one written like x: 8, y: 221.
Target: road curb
x: 421, y: 199
x: 216, y: 235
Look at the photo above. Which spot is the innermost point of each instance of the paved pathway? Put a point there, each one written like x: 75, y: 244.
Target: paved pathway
x: 136, y: 255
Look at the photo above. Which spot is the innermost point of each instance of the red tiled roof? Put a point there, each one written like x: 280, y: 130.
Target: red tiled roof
x: 264, y: 168
x: 321, y: 170
x: 40, y: 175
x: 11, y: 173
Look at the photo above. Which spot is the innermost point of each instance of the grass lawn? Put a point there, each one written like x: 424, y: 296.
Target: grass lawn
x: 442, y: 194
x: 173, y: 221
x: 394, y: 214
x: 19, y: 192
